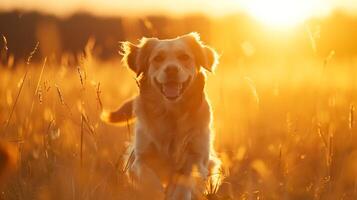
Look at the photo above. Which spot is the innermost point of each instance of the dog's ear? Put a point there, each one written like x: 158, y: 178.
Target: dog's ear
x: 136, y: 57
x: 205, y: 56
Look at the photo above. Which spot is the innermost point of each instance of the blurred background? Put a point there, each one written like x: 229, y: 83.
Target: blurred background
x: 283, y: 95
x: 238, y: 29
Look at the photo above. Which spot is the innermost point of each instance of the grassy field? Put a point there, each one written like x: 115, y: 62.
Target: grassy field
x: 284, y: 130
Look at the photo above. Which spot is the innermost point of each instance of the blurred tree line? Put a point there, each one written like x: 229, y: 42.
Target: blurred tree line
x: 234, y: 36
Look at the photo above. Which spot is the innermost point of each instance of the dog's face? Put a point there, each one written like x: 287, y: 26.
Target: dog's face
x: 170, y: 65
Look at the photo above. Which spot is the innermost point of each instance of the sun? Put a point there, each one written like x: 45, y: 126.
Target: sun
x: 281, y: 13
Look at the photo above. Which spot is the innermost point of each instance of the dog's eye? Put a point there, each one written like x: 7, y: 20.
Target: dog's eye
x: 159, y: 58
x: 184, y: 57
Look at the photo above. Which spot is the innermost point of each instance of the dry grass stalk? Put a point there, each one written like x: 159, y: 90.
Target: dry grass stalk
x: 29, y: 58
x: 22, y: 82
x: 351, y: 117
x: 38, y: 85
x: 330, y: 152
x: 5, y: 43
x: 213, y: 187
x: 49, y: 127
x: 60, y: 95
x: 329, y: 163
x: 16, y: 100
x: 319, y: 132
x: 85, y: 124
x: 40, y: 95
x: 280, y: 157
x: 88, y: 125
x: 82, y: 71
x: 62, y: 99
x: 328, y: 59
x: 313, y: 37
x: 80, y: 76
x: 98, y: 92
x: 81, y: 144
x: 4, y: 50
x: 128, y: 129
x: 129, y: 161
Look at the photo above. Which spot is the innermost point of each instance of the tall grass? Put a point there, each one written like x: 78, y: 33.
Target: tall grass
x: 278, y: 138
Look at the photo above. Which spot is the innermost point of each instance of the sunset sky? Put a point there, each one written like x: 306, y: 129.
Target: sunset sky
x: 272, y: 12
x: 182, y: 6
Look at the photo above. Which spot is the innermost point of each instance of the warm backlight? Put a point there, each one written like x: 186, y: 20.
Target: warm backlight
x: 281, y: 13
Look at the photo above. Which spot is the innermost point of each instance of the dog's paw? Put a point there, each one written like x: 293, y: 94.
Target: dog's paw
x: 179, y: 192
x: 180, y: 188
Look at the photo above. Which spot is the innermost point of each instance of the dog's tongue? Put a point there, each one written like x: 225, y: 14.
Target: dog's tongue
x: 172, y: 90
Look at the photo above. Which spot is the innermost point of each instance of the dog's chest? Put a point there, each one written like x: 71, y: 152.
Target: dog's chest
x: 173, y: 138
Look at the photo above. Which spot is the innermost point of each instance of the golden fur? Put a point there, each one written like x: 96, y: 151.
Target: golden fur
x: 173, y: 154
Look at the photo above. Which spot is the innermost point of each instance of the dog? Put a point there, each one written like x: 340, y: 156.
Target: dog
x: 173, y: 155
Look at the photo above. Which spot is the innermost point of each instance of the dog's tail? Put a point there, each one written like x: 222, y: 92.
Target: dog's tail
x: 122, y: 116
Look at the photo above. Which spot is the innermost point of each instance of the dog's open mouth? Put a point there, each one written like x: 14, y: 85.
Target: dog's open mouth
x: 172, y: 90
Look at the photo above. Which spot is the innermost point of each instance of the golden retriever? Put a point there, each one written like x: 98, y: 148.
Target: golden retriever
x: 173, y: 154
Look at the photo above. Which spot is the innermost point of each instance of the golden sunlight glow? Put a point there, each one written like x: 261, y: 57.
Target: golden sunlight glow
x: 281, y: 13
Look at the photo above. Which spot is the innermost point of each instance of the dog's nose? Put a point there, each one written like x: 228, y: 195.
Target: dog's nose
x: 171, y: 70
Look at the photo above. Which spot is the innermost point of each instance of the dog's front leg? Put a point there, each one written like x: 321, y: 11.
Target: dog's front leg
x: 188, y: 183
x: 146, y: 181
x: 180, y: 188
